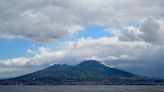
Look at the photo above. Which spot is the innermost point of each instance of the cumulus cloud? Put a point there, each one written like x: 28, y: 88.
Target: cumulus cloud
x: 130, y: 34
x: 41, y: 20
x: 74, y: 52
x: 138, y: 56
x: 151, y: 31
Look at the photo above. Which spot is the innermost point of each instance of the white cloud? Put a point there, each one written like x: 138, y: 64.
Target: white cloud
x: 41, y: 58
x: 30, y: 51
x: 131, y: 56
x: 44, y: 20
x: 14, y: 62
x: 73, y: 52
x: 41, y: 20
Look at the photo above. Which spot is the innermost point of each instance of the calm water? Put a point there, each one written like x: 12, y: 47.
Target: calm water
x: 84, y: 88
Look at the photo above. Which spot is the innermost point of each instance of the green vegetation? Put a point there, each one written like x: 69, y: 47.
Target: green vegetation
x: 87, y: 72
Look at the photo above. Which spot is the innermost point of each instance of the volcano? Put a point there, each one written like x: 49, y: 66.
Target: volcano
x: 86, y: 73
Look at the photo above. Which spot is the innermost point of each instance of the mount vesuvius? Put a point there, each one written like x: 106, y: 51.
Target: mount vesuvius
x: 86, y: 73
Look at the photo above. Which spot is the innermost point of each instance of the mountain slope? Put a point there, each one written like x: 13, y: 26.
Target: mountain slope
x: 87, y: 72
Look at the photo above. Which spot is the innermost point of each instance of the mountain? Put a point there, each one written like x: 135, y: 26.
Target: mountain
x: 87, y: 72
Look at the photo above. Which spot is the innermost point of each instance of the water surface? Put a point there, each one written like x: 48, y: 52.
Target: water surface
x: 82, y: 88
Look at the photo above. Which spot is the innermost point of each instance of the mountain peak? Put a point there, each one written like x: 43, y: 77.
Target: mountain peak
x: 89, y: 71
x: 90, y: 63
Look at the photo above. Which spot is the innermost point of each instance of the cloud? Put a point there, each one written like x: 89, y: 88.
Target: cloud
x: 130, y: 34
x: 35, y: 23
x: 41, y: 20
x: 151, y: 31
x: 138, y: 56
x: 73, y: 52
x: 40, y: 59
x: 133, y: 48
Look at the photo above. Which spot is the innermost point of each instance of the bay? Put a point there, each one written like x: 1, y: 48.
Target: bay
x: 83, y: 88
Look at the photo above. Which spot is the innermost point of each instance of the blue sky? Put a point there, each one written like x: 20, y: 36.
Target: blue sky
x: 14, y: 48
x: 94, y: 31
x: 18, y: 47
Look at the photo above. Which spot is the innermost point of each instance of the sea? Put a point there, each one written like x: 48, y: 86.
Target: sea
x: 83, y: 88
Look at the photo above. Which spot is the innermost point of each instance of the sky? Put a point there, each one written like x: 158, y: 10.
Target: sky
x: 123, y: 34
